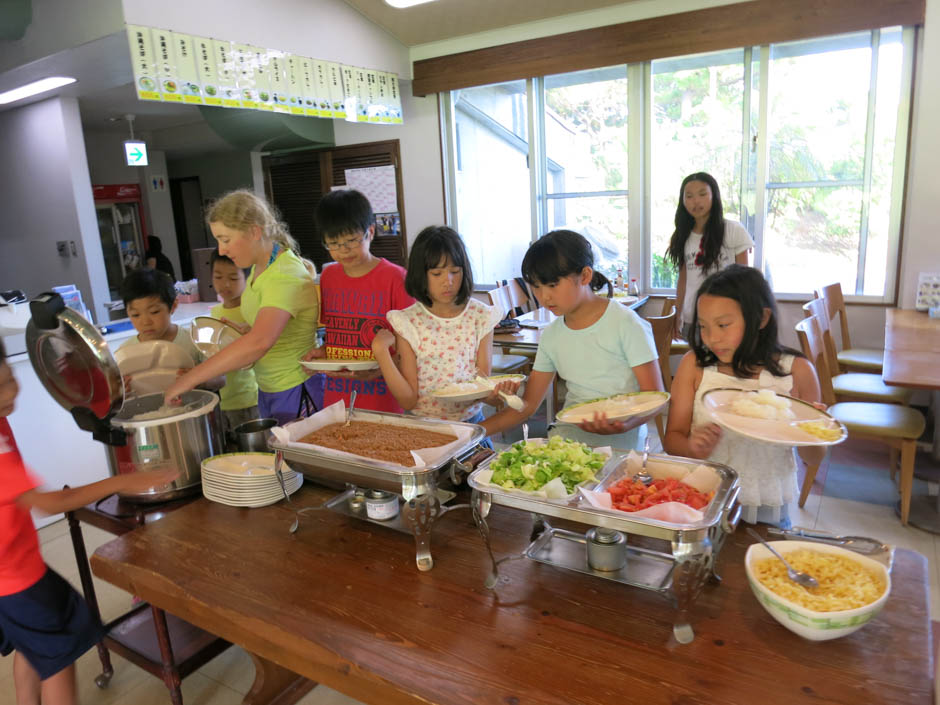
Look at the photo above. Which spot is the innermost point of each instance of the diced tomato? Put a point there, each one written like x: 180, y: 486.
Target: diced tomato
x: 629, y: 496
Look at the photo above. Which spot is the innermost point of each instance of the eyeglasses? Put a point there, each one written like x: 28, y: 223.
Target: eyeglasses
x: 347, y: 244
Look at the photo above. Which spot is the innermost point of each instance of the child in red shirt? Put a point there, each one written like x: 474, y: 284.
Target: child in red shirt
x: 356, y: 294
x: 42, y: 618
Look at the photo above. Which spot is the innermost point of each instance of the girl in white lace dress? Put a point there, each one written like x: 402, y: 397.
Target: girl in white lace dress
x: 446, y: 336
x: 735, y: 345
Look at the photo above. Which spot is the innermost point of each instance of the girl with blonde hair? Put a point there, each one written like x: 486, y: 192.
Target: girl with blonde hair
x: 279, y: 304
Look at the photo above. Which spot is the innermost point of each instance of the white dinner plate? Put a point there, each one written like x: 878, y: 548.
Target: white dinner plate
x: 788, y: 433
x: 273, y: 498
x: 210, y: 335
x: 336, y: 365
x: 152, y: 381
x: 242, y: 464
x: 468, y: 391
x: 617, y: 408
x: 152, y: 355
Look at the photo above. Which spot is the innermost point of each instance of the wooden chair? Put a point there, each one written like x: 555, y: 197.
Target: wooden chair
x: 853, y: 386
x: 508, y: 361
x: 662, y: 336
x: 677, y: 346
x: 858, y: 359
x: 896, y: 426
x: 519, y: 297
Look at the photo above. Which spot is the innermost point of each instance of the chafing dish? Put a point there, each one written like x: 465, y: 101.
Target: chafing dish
x: 679, y: 573
x: 418, y: 486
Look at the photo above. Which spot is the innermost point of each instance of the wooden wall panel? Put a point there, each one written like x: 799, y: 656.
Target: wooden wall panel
x: 713, y: 29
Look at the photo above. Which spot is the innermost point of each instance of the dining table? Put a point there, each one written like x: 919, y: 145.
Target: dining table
x: 340, y: 602
x: 531, y: 324
x: 912, y: 359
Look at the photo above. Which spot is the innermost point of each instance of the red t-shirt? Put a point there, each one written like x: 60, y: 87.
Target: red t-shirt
x: 353, y: 309
x: 21, y: 563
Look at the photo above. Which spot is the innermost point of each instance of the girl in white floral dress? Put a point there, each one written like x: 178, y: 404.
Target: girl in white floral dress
x: 734, y: 344
x: 445, y: 337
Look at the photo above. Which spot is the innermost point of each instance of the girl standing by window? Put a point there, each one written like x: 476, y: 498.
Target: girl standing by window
x: 703, y: 242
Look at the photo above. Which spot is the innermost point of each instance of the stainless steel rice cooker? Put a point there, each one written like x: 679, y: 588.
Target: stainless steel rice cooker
x: 74, y: 364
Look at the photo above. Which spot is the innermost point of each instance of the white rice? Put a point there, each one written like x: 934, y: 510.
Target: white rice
x: 763, y: 405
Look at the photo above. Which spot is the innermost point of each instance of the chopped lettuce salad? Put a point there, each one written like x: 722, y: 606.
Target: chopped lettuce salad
x: 531, y: 466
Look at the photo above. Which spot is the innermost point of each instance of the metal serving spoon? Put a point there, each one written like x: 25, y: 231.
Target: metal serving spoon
x: 349, y: 409
x: 643, y: 476
x: 799, y: 577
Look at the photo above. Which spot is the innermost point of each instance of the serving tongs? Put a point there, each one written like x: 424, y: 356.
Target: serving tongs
x: 860, y: 544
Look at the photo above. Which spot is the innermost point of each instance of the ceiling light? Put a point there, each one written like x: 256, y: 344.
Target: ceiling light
x: 41, y: 86
x: 405, y: 3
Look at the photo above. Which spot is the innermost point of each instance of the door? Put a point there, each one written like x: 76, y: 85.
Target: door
x: 107, y: 231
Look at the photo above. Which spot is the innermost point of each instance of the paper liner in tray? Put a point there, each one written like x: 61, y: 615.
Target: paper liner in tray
x: 336, y: 413
x: 484, y: 475
x: 701, y: 477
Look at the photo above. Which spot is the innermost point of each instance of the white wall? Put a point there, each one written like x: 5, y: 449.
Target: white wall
x: 47, y: 197
x: 322, y: 29
x: 160, y: 206
x: 420, y: 156
x: 61, y: 24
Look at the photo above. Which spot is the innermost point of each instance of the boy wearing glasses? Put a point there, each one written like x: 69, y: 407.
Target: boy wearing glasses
x: 357, y: 291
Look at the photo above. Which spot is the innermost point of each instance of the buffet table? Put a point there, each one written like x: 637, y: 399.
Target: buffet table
x: 340, y: 602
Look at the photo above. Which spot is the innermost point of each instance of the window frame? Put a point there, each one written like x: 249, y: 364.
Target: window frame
x: 754, y: 136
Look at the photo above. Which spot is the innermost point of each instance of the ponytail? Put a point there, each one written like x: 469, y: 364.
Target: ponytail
x: 243, y: 209
x: 599, y: 281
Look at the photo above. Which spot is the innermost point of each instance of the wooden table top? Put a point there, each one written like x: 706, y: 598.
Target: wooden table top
x: 341, y: 602
x: 912, y: 349
x: 528, y: 338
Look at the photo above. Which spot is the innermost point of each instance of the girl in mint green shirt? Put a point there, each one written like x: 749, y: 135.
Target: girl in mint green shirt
x: 597, y: 346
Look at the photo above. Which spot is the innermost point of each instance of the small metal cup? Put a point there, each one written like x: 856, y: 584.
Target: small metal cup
x: 254, y: 435
x: 606, y: 549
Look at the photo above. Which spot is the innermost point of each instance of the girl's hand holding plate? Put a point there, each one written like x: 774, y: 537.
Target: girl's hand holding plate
x: 599, y: 424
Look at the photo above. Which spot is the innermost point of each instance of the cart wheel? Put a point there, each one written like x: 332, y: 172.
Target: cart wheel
x: 104, y: 680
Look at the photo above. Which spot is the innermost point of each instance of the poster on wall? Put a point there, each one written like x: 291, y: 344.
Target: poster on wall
x: 144, y: 62
x: 178, y: 67
x: 226, y: 70
x: 262, y: 69
x: 376, y: 183
x: 165, y: 53
x: 205, y: 65
x: 186, y: 68
x: 395, y: 114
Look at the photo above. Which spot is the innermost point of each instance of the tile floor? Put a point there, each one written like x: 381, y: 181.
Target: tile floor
x: 852, y: 495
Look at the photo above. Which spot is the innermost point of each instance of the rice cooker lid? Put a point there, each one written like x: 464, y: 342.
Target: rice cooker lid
x: 72, y: 359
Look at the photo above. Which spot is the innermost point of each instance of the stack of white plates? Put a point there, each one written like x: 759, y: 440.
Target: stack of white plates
x: 246, y: 479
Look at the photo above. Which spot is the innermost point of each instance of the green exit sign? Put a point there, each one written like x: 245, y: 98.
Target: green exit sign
x: 135, y: 153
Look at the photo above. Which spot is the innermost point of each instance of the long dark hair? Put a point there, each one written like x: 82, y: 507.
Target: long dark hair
x: 558, y: 254
x: 759, y: 347
x: 434, y: 245
x: 714, y: 234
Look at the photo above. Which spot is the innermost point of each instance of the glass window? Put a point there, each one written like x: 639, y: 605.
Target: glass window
x: 586, y: 160
x: 492, y: 178
x: 697, y: 116
x: 806, y: 139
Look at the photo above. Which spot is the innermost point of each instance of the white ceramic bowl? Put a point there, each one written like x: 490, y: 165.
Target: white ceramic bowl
x: 810, y: 624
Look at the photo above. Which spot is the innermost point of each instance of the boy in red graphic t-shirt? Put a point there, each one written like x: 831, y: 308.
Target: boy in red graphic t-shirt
x: 42, y: 618
x: 356, y: 293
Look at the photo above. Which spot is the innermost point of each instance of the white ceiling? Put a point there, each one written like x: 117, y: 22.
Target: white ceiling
x: 445, y: 19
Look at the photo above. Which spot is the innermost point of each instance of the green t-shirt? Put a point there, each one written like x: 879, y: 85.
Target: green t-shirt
x: 286, y: 285
x: 241, y: 388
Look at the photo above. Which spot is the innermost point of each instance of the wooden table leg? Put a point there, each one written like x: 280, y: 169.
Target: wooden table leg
x: 88, y: 588
x: 275, y: 685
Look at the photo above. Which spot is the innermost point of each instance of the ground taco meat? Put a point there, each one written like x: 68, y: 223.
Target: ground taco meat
x: 386, y: 442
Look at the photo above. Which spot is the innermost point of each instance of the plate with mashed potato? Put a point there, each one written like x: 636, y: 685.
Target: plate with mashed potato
x: 473, y: 389
x: 617, y: 408
x: 763, y: 415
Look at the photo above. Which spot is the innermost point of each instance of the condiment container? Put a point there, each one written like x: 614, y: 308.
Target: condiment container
x: 606, y: 549
x: 357, y: 502
x: 381, y: 505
